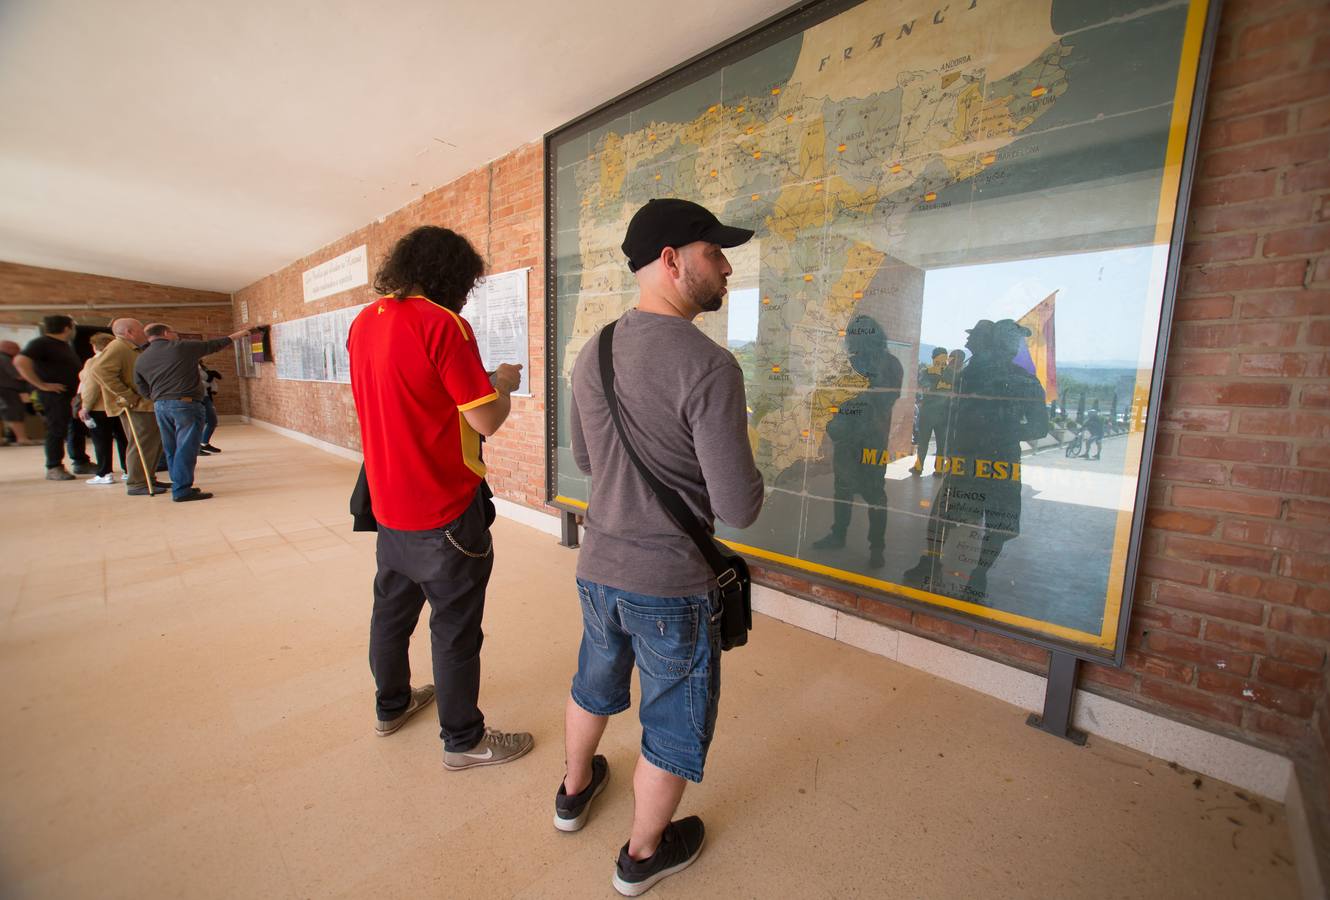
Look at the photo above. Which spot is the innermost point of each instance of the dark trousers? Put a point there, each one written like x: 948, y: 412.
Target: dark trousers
x: 107, y: 431
x: 76, y: 441
x: 931, y: 427
x: 57, y: 414
x: 209, y: 419
x: 853, y: 479
x: 415, y: 566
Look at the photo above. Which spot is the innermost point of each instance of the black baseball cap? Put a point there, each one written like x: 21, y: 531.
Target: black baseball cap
x: 671, y: 222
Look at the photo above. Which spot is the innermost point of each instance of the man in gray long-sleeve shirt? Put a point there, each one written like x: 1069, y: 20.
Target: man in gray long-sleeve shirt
x: 167, y: 373
x: 647, y: 595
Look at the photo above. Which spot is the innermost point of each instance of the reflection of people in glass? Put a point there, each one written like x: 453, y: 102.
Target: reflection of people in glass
x: 936, y: 385
x: 859, y: 431
x: 998, y: 405
x: 1094, y: 433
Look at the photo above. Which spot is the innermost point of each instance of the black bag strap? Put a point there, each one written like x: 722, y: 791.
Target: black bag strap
x: 669, y: 498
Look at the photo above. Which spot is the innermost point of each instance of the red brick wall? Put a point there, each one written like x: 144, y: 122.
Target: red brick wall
x: 1232, y: 617
x: 1231, y: 621
x: 89, y: 298
x: 498, y: 208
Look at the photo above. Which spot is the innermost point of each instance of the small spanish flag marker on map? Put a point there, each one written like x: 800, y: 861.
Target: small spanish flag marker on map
x: 766, y: 301
x: 714, y: 173
x: 1039, y: 91
x: 790, y: 117
x: 757, y: 154
x: 808, y: 278
x: 748, y: 130
x: 818, y: 187
x: 711, y: 108
x: 841, y: 332
x: 775, y: 368
x: 658, y: 177
x: 738, y: 109
x: 858, y: 295
x: 833, y: 409
x: 775, y: 91
x: 895, y: 167
x: 754, y: 197
x: 840, y: 148
x: 988, y: 159
x: 804, y: 432
x: 930, y: 197
x: 651, y: 136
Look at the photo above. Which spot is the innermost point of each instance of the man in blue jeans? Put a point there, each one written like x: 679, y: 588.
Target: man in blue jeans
x: 648, y: 597
x: 167, y: 373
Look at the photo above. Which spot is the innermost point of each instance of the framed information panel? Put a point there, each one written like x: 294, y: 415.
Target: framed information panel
x: 953, y: 315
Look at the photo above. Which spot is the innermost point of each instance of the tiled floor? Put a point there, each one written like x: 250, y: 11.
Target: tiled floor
x: 186, y: 711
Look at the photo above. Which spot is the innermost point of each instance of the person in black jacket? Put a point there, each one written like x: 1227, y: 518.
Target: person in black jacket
x: 50, y: 365
x: 998, y: 405
x: 860, y: 424
x: 210, y: 378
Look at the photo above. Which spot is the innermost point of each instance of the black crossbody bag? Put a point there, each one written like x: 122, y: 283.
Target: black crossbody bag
x: 736, y: 587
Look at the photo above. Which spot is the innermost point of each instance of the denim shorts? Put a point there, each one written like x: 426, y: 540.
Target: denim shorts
x: 675, y: 643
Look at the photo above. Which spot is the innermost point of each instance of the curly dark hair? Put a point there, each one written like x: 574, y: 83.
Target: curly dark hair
x: 436, y: 261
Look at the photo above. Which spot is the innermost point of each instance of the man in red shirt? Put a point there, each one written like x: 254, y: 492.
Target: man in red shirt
x: 424, y: 399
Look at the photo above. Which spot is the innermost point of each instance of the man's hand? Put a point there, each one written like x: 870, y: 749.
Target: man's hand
x: 51, y: 388
x: 239, y: 334
x: 507, y: 378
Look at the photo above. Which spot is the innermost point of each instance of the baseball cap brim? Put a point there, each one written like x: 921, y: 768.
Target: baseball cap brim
x: 726, y: 235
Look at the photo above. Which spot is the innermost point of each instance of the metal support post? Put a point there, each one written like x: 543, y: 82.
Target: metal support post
x: 568, y: 528
x: 1058, y: 699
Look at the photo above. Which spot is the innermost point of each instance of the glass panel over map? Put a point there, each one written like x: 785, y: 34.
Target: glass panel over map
x: 948, y: 317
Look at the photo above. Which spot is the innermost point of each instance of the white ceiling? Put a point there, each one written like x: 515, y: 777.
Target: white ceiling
x: 207, y: 144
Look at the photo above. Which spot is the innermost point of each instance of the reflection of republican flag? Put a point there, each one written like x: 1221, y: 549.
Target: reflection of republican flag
x: 1037, y: 355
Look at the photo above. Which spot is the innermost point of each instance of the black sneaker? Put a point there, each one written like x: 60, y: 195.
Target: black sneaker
x: 204, y: 451
x: 680, y: 845
x: 570, y: 813
x: 210, y: 448
x: 83, y: 468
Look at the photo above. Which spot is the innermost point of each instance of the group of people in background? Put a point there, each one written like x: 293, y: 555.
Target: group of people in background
x: 141, y: 393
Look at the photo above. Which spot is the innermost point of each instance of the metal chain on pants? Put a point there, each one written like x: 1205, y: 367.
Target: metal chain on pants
x: 488, y: 550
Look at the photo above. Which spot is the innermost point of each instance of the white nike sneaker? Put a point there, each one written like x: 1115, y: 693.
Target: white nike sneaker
x: 99, y: 479
x: 494, y: 749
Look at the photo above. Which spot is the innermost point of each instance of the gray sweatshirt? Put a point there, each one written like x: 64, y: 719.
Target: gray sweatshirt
x: 681, y: 397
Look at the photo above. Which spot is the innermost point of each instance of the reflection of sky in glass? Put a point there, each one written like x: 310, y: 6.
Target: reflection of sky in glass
x: 1101, y: 303
x: 743, y: 316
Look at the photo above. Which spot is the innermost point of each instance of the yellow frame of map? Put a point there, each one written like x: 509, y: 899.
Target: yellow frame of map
x: 837, y: 42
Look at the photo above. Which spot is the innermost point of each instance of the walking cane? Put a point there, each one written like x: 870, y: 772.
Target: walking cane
x: 143, y: 463
x: 133, y: 433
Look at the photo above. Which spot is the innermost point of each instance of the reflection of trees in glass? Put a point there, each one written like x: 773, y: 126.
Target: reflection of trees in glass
x: 998, y: 405
x: 746, y: 355
x: 858, y: 429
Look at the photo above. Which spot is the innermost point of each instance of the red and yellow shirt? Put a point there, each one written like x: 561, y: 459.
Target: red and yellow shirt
x: 414, y: 369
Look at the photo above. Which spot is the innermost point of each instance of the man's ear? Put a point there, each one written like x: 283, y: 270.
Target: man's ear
x: 670, y: 257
